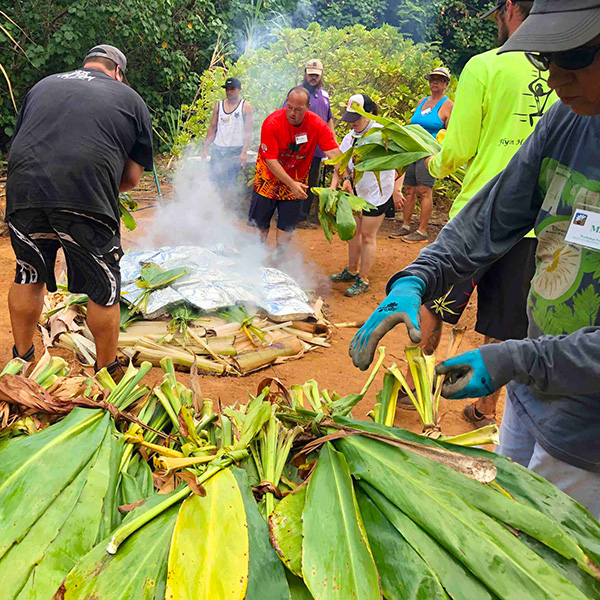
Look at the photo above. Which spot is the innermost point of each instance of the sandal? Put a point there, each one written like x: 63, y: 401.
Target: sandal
x: 471, y: 415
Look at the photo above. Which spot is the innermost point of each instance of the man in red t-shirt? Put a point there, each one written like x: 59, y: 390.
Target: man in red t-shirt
x: 288, y: 140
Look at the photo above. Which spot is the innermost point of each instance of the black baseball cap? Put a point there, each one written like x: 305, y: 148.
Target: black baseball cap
x: 491, y: 14
x: 363, y: 101
x: 233, y: 82
x: 556, y: 26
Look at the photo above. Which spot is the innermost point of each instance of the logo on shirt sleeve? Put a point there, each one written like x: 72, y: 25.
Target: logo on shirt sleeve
x: 263, y: 147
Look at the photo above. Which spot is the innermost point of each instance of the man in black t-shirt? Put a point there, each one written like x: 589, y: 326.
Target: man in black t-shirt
x: 81, y: 138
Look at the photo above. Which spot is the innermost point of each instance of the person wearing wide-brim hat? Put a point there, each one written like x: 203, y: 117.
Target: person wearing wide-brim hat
x: 551, y: 418
x: 433, y: 114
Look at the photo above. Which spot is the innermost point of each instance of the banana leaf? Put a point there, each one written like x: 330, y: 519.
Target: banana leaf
x: 138, y: 571
x: 126, y: 317
x: 398, y: 162
x: 266, y: 577
x: 453, y: 576
x: 127, y: 217
x: 18, y: 563
x: 530, y: 488
x: 404, y: 574
x: 35, y: 469
x: 342, y: 160
x: 336, y: 559
x: 136, y: 484
x: 210, y: 545
x: 298, y: 589
x: 153, y: 277
x: 49, y: 558
x: 285, y: 523
x: 522, y: 484
x: 584, y: 582
x: 377, y: 137
x: 510, y: 569
x: 344, y: 219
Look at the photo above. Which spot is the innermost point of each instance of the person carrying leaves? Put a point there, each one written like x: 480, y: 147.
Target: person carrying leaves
x: 362, y: 248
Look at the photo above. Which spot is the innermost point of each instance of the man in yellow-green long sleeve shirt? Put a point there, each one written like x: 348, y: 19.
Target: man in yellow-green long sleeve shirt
x: 499, y: 100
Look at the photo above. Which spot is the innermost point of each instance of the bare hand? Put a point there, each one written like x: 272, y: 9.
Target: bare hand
x: 243, y: 159
x: 299, y: 190
x: 347, y: 187
x: 399, y: 200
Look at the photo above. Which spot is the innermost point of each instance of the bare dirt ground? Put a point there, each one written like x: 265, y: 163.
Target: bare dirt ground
x: 331, y: 367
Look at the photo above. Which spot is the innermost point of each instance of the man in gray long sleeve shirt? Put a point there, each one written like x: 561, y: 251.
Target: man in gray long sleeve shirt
x: 552, y: 415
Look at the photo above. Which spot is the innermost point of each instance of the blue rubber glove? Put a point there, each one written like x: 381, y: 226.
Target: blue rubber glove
x: 400, y: 306
x: 466, y: 377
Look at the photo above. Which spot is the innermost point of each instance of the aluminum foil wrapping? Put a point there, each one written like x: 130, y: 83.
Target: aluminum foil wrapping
x: 214, y: 279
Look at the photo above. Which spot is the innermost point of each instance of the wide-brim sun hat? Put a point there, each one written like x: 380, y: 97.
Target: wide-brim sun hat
x: 556, y: 26
x: 440, y: 72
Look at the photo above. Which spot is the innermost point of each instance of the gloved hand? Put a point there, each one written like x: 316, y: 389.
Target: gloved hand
x: 466, y: 376
x: 401, y: 305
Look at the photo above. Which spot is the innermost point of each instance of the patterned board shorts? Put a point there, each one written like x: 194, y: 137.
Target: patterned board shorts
x: 91, y: 245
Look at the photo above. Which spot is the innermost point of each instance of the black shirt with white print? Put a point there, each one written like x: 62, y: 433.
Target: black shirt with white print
x: 74, y: 134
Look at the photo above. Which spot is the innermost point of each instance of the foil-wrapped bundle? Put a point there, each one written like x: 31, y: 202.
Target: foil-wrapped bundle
x: 214, y: 279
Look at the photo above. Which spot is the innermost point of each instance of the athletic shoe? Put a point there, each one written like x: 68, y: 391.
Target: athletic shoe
x: 360, y: 286
x: 344, y: 275
x: 415, y: 237
x: 402, y: 232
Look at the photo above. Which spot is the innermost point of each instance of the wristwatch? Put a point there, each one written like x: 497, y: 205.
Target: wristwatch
x: 346, y: 179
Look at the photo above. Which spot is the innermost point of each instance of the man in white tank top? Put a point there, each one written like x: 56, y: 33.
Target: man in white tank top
x: 229, y: 133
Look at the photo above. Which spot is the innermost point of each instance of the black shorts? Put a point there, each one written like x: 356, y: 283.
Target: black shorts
x: 262, y: 209
x: 91, y: 244
x: 379, y: 210
x: 418, y: 174
x: 502, y: 291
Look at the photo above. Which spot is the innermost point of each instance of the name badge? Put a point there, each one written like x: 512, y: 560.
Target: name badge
x: 425, y: 111
x: 584, y: 229
x: 301, y: 138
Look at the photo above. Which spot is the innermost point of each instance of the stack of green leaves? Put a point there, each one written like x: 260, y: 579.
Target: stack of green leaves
x: 379, y: 519
x: 364, y: 511
x: 391, y: 146
x: 58, y: 491
x: 336, y: 212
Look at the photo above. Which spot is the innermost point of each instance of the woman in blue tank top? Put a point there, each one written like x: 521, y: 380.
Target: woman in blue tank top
x: 433, y: 114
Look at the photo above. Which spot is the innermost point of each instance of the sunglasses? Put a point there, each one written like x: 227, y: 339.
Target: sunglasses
x: 571, y: 60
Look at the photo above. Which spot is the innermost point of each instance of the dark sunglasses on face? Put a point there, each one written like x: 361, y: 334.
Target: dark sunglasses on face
x: 571, y: 60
